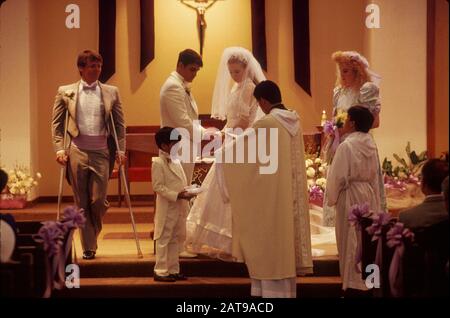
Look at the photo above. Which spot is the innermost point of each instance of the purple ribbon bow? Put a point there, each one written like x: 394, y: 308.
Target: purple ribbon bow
x: 357, y: 212
x: 52, y: 235
x: 331, y: 128
x: 73, y: 218
x: 378, y: 221
x: 396, y: 237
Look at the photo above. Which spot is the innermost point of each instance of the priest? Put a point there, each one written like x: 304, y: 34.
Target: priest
x: 270, y: 214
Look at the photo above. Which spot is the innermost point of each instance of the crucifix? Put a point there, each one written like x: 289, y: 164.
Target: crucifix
x: 200, y: 6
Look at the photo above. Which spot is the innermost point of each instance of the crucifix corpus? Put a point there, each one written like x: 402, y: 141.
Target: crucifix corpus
x: 200, y: 6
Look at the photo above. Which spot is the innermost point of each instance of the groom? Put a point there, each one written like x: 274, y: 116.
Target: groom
x: 179, y: 109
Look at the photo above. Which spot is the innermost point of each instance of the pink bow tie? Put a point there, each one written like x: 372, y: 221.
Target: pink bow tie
x: 92, y: 87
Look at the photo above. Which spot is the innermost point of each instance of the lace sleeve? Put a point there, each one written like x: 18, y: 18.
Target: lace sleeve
x: 369, y: 96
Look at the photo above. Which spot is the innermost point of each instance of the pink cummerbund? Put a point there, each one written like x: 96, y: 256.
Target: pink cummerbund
x: 90, y: 142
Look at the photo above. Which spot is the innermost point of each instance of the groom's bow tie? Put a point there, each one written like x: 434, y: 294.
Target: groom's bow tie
x: 90, y: 87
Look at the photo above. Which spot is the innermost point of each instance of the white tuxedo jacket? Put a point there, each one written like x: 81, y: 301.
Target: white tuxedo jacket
x: 177, y: 106
x: 168, y: 179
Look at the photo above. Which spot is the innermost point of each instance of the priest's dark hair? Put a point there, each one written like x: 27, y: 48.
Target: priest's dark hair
x: 434, y: 171
x: 189, y: 56
x: 362, y: 117
x: 166, y: 135
x: 269, y: 91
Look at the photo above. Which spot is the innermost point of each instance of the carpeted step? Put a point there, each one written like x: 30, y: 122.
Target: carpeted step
x: 200, y: 266
x: 142, y: 212
x: 194, y: 287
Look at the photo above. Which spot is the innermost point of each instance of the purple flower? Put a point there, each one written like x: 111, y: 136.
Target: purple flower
x: 397, y: 234
x: 315, y: 193
x: 51, y: 234
x: 379, y: 220
x: 328, y: 127
x: 357, y: 212
x: 391, y: 183
x: 73, y: 218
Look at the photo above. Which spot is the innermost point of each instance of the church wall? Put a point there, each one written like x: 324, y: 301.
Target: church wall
x: 18, y: 122
x: 397, y: 51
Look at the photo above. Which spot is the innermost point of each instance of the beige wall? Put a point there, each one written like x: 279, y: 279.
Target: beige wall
x: 441, y: 77
x: 397, y: 51
x: 40, y: 54
x: 18, y: 96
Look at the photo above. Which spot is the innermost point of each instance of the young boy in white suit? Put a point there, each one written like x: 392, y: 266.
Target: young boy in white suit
x: 169, y: 182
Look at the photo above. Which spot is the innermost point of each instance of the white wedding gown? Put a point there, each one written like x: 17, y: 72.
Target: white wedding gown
x: 208, y: 225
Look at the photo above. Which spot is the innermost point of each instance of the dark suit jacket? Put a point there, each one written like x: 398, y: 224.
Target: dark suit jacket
x: 431, y: 211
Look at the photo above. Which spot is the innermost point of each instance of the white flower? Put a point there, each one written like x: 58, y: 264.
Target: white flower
x: 20, y: 181
x: 310, y: 172
x: 321, y: 182
x: 321, y: 169
x: 310, y: 183
x: 318, y: 161
x: 308, y: 163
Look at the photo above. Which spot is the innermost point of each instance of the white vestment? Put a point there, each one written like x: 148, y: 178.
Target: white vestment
x: 352, y: 179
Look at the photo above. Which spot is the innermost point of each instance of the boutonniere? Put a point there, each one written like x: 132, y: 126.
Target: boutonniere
x: 69, y: 94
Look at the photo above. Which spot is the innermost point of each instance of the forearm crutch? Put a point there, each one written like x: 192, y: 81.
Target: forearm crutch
x: 127, y: 193
x: 62, y: 172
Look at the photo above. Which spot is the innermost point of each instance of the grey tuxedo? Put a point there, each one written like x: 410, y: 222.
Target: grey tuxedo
x: 88, y: 171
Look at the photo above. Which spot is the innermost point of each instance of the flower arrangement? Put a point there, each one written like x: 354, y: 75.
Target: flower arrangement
x: 406, y: 172
x: 20, y: 183
x: 315, y: 173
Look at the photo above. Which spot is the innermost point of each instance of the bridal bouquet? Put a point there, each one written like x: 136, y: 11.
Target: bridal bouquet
x: 337, y: 122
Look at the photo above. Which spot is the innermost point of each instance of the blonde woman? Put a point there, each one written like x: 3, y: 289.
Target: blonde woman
x: 356, y: 84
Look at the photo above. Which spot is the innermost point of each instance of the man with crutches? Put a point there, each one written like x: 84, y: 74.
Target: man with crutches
x: 88, y: 134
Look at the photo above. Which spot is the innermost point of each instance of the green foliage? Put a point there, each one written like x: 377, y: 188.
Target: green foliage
x: 405, y: 169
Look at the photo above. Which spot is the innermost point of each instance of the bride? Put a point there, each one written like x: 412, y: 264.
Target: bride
x: 209, y: 221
